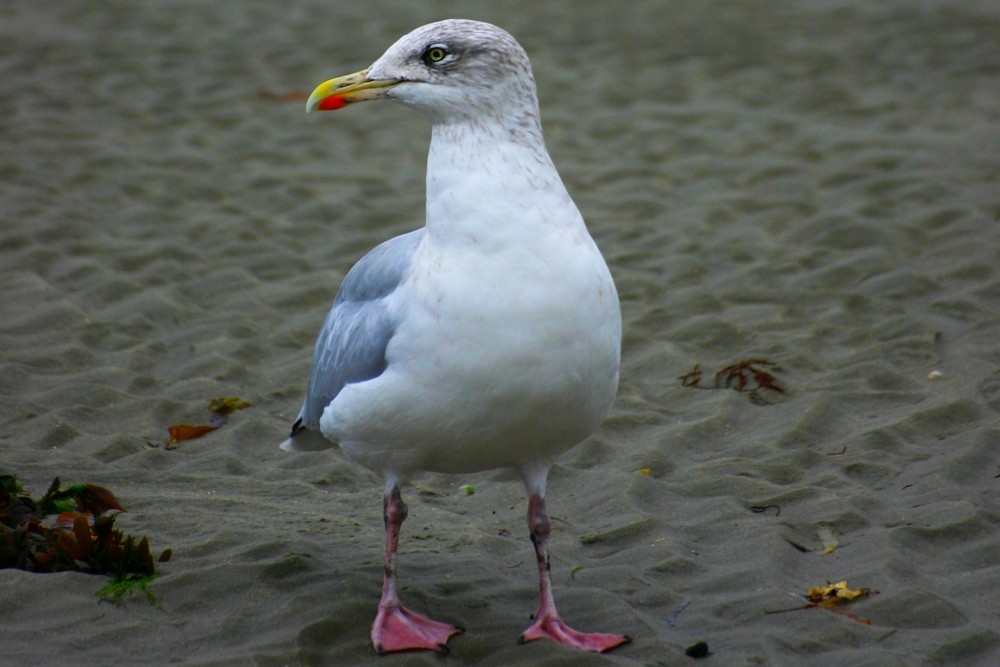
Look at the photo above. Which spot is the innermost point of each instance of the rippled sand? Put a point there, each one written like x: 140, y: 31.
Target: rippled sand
x: 817, y: 183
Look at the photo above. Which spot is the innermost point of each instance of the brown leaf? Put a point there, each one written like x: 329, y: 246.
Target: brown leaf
x: 76, y: 544
x: 65, y: 519
x: 97, y: 500
x: 183, y: 432
x: 44, y: 558
x: 81, y: 530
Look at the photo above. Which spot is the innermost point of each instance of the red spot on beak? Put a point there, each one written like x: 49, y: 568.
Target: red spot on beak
x: 332, y: 103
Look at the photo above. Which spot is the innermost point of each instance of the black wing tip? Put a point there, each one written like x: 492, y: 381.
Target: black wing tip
x: 297, y: 428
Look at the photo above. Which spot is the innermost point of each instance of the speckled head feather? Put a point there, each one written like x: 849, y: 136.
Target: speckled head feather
x: 457, y: 69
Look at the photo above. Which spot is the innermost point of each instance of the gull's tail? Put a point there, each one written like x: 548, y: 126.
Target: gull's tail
x: 305, y: 440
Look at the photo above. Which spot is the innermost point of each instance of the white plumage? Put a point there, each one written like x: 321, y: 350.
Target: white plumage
x: 488, y: 339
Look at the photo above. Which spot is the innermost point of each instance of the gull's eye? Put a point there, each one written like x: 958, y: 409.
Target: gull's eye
x: 435, y: 54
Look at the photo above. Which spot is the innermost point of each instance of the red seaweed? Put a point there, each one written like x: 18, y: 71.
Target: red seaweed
x: 748, y: 376
x: 81, y: 538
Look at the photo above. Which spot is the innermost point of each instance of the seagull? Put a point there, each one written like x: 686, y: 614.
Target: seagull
x: 488, y: 339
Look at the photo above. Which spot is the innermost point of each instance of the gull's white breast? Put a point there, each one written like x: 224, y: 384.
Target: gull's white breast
x: 491, y: 367
x: 507, y: 349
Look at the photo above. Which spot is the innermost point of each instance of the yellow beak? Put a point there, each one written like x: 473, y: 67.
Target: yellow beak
x: 338, y: 93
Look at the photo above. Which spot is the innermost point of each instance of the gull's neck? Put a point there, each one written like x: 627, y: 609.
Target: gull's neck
x: 492, y: 179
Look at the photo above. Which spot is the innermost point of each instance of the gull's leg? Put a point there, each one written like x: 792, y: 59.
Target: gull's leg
x: 547, y: 622
x: 396, y: 628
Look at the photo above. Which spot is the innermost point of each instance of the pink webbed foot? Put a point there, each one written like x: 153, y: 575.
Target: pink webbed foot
x: 550, y: 626
x: 547, y: 623
x: 399, y: 629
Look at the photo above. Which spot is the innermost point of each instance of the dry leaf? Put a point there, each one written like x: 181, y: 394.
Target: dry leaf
x: 182, y: 432
x: 220, y: 408
x: 832, y: 595
x: 97, y: 500
x: 225, y: 405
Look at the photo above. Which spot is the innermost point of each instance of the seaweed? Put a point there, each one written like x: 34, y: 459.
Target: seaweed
x: 748, y: 376
x: 115, y: 590
x: 82, y: 537
x: 220, y: 408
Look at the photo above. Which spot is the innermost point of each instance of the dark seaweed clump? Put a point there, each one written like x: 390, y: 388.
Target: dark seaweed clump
x: 71, y: 529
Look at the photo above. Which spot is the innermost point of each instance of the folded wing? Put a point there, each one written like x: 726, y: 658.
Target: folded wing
x: 351, y: 346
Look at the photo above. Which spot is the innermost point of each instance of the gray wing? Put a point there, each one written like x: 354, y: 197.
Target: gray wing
x: 352, y: 343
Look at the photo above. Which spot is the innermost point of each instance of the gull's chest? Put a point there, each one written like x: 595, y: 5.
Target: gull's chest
x: 518, y: 290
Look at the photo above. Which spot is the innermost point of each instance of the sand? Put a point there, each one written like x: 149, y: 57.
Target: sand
x: 816, y: 183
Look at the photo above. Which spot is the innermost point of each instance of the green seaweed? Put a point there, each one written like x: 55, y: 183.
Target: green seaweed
x: 117, y: 589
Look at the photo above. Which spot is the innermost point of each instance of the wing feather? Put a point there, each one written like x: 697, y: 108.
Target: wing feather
x: 352, y: 343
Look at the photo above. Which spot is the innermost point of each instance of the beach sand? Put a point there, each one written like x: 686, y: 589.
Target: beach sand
x: 814, y: 183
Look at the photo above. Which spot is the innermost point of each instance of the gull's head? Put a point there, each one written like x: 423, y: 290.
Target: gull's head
x: 454, y: 69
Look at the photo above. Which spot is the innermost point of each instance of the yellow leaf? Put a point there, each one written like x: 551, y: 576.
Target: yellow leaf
x: 225, y: 405
x: 832, y: 595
